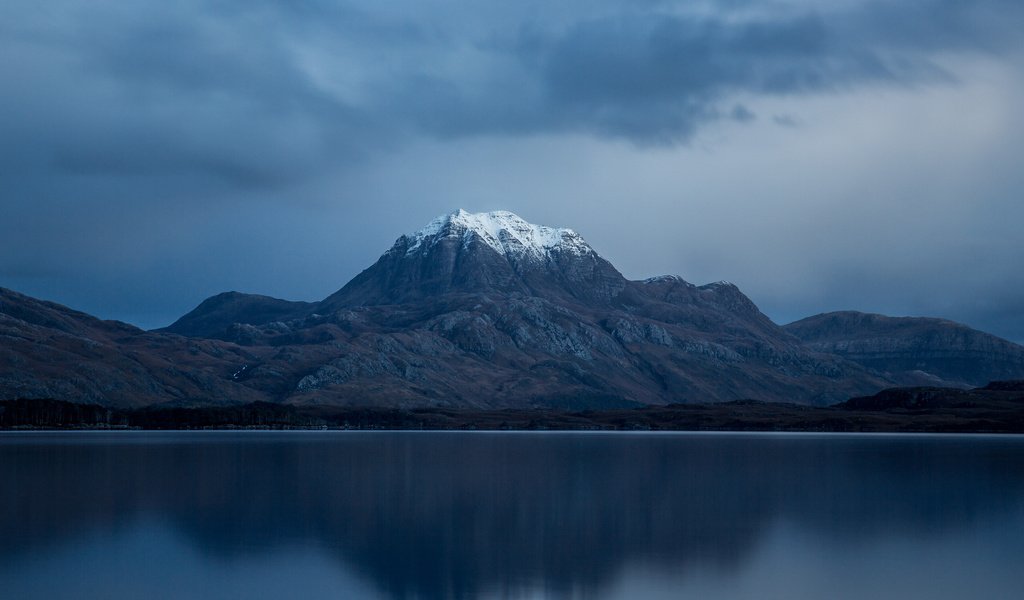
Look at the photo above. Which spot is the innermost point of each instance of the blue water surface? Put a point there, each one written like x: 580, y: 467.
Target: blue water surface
x: 510, y: 515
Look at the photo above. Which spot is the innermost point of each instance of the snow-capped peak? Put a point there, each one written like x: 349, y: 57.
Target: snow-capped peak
x: 505, y: 232
x: 665, y: 279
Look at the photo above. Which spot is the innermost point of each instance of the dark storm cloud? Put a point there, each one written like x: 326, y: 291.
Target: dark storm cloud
x: 231, y: 91
x: 178, y: 92
x: 656, y: 76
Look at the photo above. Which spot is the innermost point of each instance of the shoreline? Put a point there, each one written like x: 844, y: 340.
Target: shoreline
x: 990, y: 413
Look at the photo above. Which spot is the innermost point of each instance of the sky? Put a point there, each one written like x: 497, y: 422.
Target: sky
x: 845, y: 155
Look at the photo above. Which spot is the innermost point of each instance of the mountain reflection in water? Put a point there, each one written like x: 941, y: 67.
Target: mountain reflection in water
x: 460, y: 515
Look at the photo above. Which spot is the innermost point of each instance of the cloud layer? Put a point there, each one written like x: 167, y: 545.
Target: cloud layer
x: 156, y: 152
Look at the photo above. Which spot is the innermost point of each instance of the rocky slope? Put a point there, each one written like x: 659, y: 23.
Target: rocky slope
x: 912, y: 350
x: 50, y: 351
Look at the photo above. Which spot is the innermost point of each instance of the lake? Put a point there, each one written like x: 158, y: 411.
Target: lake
x: 510, y: 515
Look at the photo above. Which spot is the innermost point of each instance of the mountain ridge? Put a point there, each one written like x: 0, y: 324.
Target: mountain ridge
x: 479, y: 311
x: 913, y: 349
x: 51, y: 351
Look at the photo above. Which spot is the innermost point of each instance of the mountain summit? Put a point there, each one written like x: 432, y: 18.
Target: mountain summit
x: 506, y: 233
x: 494, y: 252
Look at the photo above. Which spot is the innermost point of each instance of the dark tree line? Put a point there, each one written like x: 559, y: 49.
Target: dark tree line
x: 998, y: 408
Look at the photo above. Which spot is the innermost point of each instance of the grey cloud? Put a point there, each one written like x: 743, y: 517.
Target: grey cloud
x: 165, y: 93
x: 742, y: 114
x: 935, y: 25
x: 230, y: 91
x: 661, y: 76
x: 786, y: 120
x: 678, y: 70
x: 177, y: 144
x: 655, y: 76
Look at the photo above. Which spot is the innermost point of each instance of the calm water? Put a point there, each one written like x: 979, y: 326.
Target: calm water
x: 438, y: 515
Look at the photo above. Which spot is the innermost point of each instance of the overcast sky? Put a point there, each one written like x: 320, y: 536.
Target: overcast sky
x: 821, y: 155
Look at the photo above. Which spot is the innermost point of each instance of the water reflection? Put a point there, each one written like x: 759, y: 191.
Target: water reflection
x: 439, y: 515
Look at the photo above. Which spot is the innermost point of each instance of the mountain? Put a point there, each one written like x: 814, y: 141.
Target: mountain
x: 216, y: 316
x: 471, y: 311
x: 51, y: 351
x: 914, y: 350
x: 493, y: 253
x: 487, y: 310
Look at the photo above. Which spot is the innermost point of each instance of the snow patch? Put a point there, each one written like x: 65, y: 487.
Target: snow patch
x: 664, y: 278
x: 505, y: 232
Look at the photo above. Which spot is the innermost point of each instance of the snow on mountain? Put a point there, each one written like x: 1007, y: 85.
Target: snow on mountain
x: 507, y: 233
x: 665, y: 279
